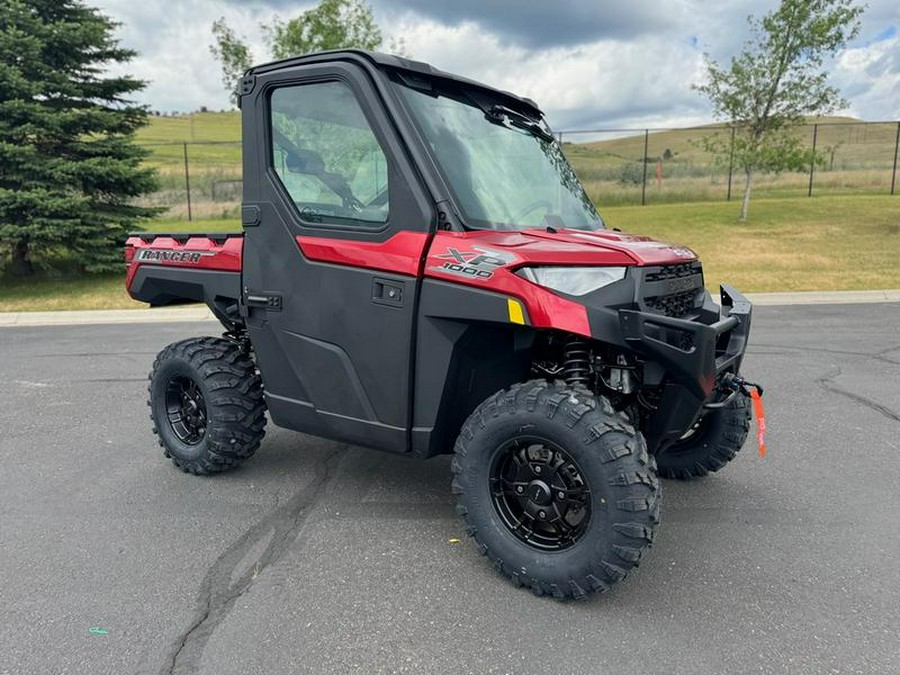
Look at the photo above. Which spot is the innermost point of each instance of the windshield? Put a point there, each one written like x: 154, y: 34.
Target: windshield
x: 504, y: 169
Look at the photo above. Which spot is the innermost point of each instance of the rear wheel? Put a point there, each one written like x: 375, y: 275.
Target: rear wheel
x: 556, y: 488
x: 206, y: 403
x: 713, y: 442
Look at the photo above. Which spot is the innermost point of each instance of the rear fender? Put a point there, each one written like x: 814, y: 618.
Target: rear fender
x: 160, y: 286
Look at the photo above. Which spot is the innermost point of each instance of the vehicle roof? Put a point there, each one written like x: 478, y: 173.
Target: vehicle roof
x: 389, y: 61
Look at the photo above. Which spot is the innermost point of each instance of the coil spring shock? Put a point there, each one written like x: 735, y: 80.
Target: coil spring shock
x: 576, y: 368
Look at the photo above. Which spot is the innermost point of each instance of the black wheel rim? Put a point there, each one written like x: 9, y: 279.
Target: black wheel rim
x: 540, y: 493
x: 186, y: 409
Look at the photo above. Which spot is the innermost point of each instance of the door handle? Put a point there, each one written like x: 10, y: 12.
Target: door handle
x: 270, y: 301
x: 385, y: 292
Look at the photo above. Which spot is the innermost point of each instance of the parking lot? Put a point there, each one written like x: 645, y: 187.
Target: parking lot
x: 319, y: 557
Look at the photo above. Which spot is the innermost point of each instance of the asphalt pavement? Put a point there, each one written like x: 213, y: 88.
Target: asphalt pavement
x: 319, y: 557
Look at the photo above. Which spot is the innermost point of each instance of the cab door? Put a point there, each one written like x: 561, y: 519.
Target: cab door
x: 336, y: 226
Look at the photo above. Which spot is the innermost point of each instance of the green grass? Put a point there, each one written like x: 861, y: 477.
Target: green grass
x: 798, y: 244
x: 214, y: 141
x: 208, y: 225
x: 211, y: 126
x: 853, y: 140
x: 43, y: 294
x: 858, y: 158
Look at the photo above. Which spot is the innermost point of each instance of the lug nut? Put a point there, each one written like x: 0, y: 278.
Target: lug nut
x: 520, y: 489
x: 542, y: 514
x: 561, y: 494
x: 537, y: 469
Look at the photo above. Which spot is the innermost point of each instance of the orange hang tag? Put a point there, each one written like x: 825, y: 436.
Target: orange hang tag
x: 760, y: 420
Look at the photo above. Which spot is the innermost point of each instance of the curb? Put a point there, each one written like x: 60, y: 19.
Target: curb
x: 168, y: 314
x: 101, y: 316
x: 824, y: 297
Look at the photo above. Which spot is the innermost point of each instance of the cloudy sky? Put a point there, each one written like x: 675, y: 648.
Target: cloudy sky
x: 588, y: 63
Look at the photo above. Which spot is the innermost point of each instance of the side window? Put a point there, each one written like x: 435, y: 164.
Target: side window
x: 327, y: 156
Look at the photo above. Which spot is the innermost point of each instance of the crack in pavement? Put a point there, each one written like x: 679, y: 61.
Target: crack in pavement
x: 841, y: 352
x: 828, y: 384
x: 218, y: 593
x: 880, y: 356
x: 760, y: 348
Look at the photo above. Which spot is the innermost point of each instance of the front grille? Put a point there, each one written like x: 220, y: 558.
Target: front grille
x: 676, y: 305
x: 673, y: 271
x: 673, y: 290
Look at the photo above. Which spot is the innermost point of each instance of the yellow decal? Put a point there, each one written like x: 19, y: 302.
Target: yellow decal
x: 515, y: 311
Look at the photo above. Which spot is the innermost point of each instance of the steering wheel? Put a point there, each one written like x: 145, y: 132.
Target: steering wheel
x: 533, y: 206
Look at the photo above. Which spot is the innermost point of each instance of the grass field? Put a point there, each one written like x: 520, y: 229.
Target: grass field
x: 855, y: 158
x: 797, y: 244
x: 858, y: 159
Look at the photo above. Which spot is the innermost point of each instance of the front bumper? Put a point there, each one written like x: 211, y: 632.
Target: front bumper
x: 693, y: 355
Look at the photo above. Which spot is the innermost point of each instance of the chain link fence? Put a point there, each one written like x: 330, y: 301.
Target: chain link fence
x: 201, y: 180
x: 642, y: 166
x: 198, y: 180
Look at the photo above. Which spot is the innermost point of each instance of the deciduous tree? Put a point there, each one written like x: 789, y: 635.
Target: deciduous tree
x: 778, y: 78
x: 232, y: 53
x: 332, y: 24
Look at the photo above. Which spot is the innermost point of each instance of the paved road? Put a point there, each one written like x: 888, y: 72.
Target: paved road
x: 319, y: 557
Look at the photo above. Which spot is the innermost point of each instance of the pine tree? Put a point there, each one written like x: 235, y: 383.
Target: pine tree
x: 69, y: 168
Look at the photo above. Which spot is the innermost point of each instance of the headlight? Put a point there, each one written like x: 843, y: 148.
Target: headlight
x: 572, y: 280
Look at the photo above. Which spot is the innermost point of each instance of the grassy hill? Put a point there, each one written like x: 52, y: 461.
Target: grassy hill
x: 197, y: 127
x: 214, y: 163
x: 858, y: 159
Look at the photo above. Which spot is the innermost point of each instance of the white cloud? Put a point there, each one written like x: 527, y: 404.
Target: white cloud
x: 634, y: 78
x: 642, y: 81
x: 870, y: 77
x: 173, y: 39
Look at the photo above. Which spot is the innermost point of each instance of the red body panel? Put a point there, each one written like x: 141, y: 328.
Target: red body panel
x: 452, y: 257
x: 545, y: 308
x: 197, y: 252
x: 401, y: 254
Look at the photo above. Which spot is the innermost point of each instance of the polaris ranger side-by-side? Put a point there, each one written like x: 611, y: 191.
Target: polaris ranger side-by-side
x: 420, y: 271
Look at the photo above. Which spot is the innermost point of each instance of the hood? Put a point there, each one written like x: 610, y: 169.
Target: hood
x: 642, y: 250
x: 566, y: 247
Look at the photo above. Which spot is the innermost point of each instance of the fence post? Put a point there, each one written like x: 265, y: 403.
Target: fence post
x: 896, y: 147
x: 187, y: 182
x: 644, y: 186
x: 730, y: 164
x: 812, y: 162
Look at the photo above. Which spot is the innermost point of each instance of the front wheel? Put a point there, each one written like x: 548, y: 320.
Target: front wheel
x: 556, y: 488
